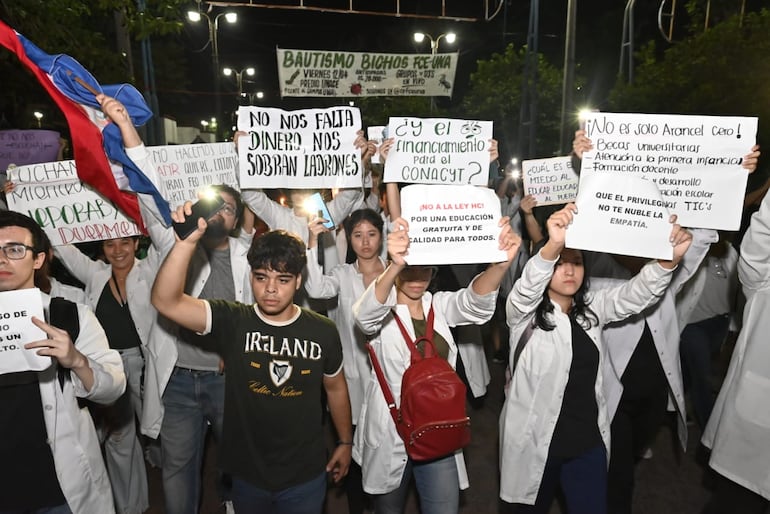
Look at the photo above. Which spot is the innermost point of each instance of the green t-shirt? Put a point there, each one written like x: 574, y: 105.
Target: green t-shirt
x: 273, y: 433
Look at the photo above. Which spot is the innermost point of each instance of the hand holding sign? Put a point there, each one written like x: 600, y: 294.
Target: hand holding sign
x: 398, y: 242
x: 680, y: 239
x: 557, y: 226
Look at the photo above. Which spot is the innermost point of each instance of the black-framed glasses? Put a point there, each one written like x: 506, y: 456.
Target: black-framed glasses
x: 16, y: 251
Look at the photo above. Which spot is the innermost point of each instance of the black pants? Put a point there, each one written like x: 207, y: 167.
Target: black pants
x: 729, y: 498
x: 640, y: 413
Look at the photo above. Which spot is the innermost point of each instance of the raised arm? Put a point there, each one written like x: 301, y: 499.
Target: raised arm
x: 168, y: 294
x: 317, y: 284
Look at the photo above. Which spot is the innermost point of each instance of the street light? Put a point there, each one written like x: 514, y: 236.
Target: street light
x: 449, y: 37
x: 38, y: 116
x: 250, y: 71
x: 213, y: 26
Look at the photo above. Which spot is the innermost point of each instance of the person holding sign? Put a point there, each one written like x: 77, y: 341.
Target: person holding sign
x: 348, y: 282
x: 402, y: 290
x: 280, y: 360
x: 554, y: 424
x: 643, y: 372
x: 119, y: 293
x: 184, y: 385
x: 52, y: 461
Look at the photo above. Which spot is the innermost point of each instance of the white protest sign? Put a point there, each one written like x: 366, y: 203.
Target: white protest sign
x: 66, y: 209
x: 622, y: 215
x: 345, y: 74
x: 16, y: 330
x: 180, y: 171
x: 309, y: 148
x: 438, y: 151
x: 694, y: 160
x: 377, y: 135
x: 551, y: 181
x: 451, y: 224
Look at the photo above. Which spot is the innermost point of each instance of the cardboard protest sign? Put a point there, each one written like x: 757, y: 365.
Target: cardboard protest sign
x: 451, y: 224
x: 67, y: 210
x: 694, y: 160
x: 551, y: 181
x: 16, y: 330
x: 438, y: 151
x: 623, y: 215
x: 180, y: 171
x: 308, y: 148
x: 344, y: 74
x: 22, y: 147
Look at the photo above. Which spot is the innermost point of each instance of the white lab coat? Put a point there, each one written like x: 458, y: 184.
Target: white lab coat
x: 161, y: 351
x: 738, y: 431
x: 533, y: 401
x: 664, y: 326
x: 378, y: 448
x: 74, y: 444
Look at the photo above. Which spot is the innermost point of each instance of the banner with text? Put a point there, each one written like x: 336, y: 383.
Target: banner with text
x: 451, y: 224
x: 308, y: 148
x: 551, y: 181
x: 694, y: 160
x: 623, y: 215
x: 16, y: 330
x: 68, y: 210
x: 438, y: 151
x: 22, y: 147
x: 180, y: 171
x: 334, y: 74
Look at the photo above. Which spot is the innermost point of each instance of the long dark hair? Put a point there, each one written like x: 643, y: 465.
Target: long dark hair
x: 580, y: 312
x: 354, y: 219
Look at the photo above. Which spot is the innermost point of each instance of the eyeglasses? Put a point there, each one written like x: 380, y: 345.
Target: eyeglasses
x: 228, y: 209
x: 15, y: 251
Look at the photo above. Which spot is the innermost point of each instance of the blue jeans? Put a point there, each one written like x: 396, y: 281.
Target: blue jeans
x: 697, y: 345
x: 305, y: 498
x: 438, y: 487
x: 192, y: 400
x: 583, y: 480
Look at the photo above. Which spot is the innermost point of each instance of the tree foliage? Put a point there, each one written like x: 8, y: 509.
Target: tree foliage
x: 495, y: 94
x: 86, y: 30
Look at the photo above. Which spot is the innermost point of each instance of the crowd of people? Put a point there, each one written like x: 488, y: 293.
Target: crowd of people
x: 263, y: 338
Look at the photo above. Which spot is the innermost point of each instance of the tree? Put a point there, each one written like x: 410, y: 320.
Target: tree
x: 84, y: 29
x: 495, y: 94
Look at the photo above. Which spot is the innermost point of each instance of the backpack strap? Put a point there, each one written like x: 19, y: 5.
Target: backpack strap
x: 523, y: 340
x: 63, y: 314
x: 386, y: 392
x: 429, y: 348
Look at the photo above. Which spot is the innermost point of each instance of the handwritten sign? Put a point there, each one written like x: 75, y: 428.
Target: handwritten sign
x: 16, y: 330
x: 182, y: 170
x: 68, y: 210
x: 551, y: 181
x: 694, y: 160
x: 309, y: 148
x: 622, y: 215
x: 22, y: 147
x: 333, y: 74
x: 451, y: 224
x: 438, y: 151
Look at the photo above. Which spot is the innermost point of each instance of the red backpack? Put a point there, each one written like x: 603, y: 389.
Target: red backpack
x: 431, y: 418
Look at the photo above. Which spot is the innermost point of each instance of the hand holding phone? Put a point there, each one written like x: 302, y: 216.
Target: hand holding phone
x: 316, y: 205
x: 204, y: 208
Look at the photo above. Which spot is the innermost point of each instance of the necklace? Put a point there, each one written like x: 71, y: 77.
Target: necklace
x: 123, y: 298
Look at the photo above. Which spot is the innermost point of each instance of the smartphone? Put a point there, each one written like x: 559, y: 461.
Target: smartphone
x: 315, y: 204
x: 204, y: 208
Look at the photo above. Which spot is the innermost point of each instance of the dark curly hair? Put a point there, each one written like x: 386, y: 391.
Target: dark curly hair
x: 580, y: 312
x: 278, y: 250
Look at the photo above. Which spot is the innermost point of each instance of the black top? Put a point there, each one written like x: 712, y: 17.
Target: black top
x: 273, y: 435
x: 27, y: 473
x: 577, y: 429
x: 116, y: 320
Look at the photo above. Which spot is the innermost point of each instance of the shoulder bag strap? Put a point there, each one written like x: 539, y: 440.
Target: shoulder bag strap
x: 383, y: 384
